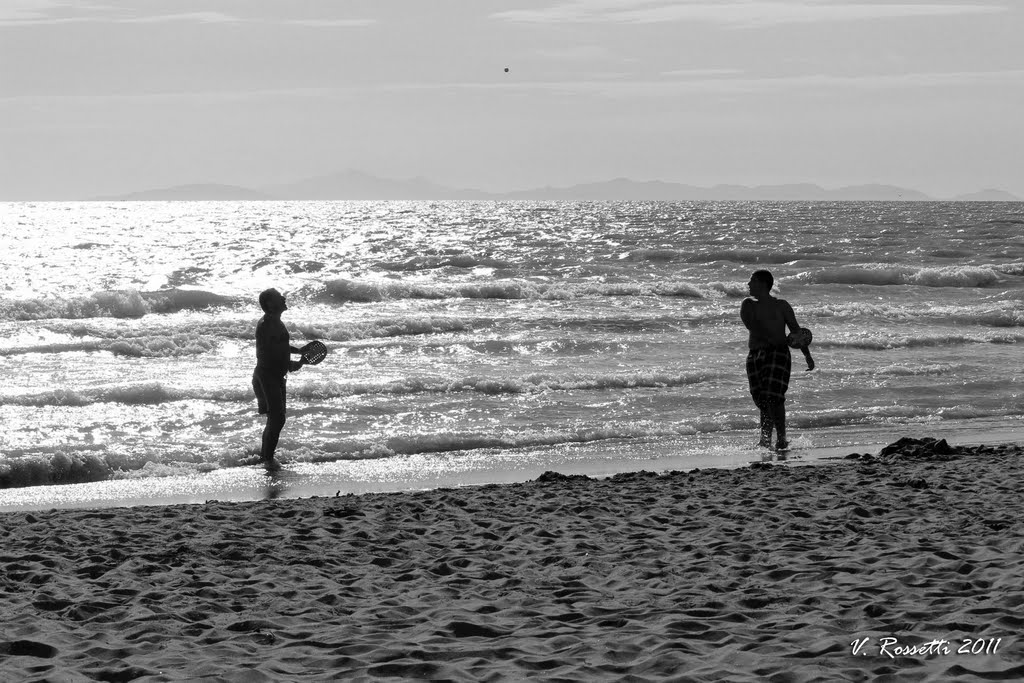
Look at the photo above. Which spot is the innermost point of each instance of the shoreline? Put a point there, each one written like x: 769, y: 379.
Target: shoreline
x: 477, y: 468
x: 345, y: 477
x: 718, y: 574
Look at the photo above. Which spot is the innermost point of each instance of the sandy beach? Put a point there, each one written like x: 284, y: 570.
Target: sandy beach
x: 902, y: 566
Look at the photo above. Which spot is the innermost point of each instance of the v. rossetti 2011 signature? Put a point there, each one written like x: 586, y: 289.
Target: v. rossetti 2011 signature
x: 891, y: 647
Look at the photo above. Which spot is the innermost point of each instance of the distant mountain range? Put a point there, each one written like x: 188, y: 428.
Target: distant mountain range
x: 206, y: 192
x: 353, y: 185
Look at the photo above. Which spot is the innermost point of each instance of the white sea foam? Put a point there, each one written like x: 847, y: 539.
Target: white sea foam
x: 462, y: 261
x: 747, y: 256
x: 154, y: 392
x: 382, y: 327
x: 1016, y: 268
x: 155, y: 346
x: 127, y: 303
x: 138, y: 394
x: 529, y: 384
x: 343, y: 290
x: 888, y: 341
x: 1005, y: 311
x: 64, y: 465
x: 906, y: 370
x: 884, y: 274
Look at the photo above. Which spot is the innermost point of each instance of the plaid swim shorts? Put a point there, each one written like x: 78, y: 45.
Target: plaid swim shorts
x: 768, y: 371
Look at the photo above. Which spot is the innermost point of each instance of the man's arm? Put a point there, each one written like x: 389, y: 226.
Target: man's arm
x: 789, y: 316
x: 272, y: 337
x: 747, y: 313
x: 294, y: 365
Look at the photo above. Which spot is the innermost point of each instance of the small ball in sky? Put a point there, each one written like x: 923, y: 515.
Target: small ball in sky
x: 506, y: 69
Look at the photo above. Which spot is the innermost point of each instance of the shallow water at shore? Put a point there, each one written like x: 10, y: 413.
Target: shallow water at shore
x: 474, y: 468
x: 486, y: 332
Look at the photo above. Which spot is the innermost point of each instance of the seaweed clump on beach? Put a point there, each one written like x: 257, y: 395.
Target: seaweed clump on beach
x: 928, y: 448
x: 551, y: 477
x: 919, y: 449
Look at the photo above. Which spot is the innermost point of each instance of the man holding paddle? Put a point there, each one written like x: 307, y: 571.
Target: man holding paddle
x: 273, y: 363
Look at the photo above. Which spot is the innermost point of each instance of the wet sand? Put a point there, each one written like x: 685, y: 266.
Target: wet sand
x: 769, y: 572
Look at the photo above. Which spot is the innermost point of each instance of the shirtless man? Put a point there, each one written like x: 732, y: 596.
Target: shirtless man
x: 273, y: 362
x: 768, y: 361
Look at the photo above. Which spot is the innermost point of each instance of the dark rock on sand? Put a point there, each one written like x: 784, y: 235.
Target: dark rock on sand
x: 550, y: 477
x: 926, y: 448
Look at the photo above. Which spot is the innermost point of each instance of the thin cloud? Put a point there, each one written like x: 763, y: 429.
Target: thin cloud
x: 196, y: 17
x: 573, y: 53
x: 821, y: 82
x: 181, y: 95
x: 738, y: 13
x: 18, y: 13
x: 331, y: 23
x: 220, y: 18
x: 27, y: 10
x: 691, y: 82
x: 37, y: 12
x: 603, y: 85
x: 700, y: 73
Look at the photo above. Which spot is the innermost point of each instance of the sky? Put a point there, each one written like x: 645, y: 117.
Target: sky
x: 114, y: 96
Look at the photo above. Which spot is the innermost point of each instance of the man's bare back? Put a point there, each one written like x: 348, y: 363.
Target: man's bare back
x: 767, y: 318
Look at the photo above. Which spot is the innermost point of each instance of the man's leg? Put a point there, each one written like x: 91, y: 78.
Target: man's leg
x: 776, y: 381
x: 778, y: 417
x: 755, y: 378
x: 274, y: 392
x: 765, y: 423
x: 271, y: 434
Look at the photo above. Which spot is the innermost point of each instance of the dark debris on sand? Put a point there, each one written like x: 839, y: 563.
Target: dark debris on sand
x: 927, y: 448
x: 551, y: 477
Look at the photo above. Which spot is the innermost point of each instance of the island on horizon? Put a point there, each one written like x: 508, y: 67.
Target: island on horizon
x: 355, y: 185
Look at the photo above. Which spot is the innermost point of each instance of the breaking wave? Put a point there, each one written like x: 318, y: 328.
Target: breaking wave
x: 383, y: 327
x: 878, y: 274
x: 895, y: 341
x: 1011, y: 268
x: 128, y: 303
x: 746, y: 256
x: 466, y: 261
x: 137, y: 347
x: 149, y: 393
x: 999, y: 313
x: 342, y: 290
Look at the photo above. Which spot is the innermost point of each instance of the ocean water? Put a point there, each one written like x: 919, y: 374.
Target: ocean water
x: 486, y: 337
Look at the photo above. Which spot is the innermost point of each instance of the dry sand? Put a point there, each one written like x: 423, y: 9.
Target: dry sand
x: 766, y: 573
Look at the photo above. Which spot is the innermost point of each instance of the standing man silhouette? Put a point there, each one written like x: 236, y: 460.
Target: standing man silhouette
x: 768, y: 360
x: 273, y: 363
